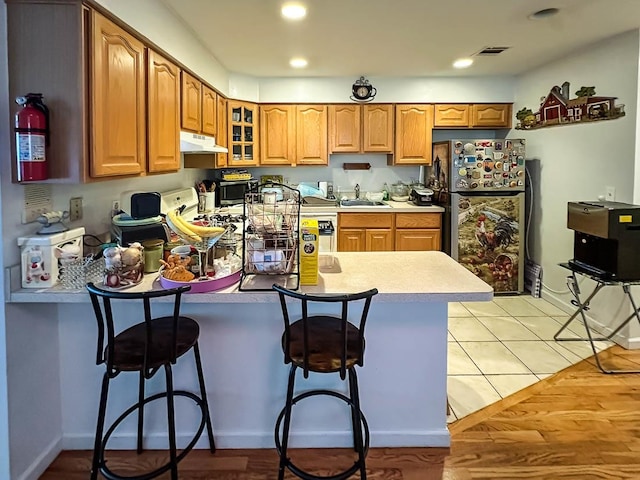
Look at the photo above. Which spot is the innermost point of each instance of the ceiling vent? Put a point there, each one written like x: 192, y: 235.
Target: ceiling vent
x: 490, y: 51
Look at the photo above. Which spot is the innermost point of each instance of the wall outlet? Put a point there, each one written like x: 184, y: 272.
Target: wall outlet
x: 75, y: 209
x: 115, y: 208
x: 610, y: 195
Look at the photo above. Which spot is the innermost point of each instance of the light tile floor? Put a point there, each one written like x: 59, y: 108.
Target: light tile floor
x: 497, y: 348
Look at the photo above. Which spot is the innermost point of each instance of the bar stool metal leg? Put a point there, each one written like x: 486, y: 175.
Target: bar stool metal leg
x: 102, y: 410
x: 357, y: 432
x: 287, y: 423
x: 140, y: 410
x: 171, y: 421
x: 203, y: 395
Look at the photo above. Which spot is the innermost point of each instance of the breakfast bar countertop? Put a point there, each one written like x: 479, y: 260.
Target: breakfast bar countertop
x: 399, y: 276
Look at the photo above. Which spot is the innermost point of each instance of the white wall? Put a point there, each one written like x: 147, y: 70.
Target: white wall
x: 577, y: 162
x: 389, y: 89
x: 154, y: 20
x: 4, y: 142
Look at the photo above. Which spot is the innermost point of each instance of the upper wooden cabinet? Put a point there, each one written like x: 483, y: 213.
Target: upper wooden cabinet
x: 209, y: 107
x: 361, y: 128
x: 413, y: 135
x: 311, y: 135
x: 293, y: 135
x: 242, y: 133
x: 494, y: 115
x: 118, y: 117
x: 476, y: 115
x: 277, y: 134
x: 163, y: 119
x: 199, y: 106
x: 191, y: 103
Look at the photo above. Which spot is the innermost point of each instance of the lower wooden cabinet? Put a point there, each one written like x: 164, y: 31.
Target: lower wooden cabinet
x: 365, y: 232
x: 418, y: 231
x: 384, y: 232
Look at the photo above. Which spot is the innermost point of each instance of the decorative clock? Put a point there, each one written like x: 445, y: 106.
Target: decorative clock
x: 362, y: 91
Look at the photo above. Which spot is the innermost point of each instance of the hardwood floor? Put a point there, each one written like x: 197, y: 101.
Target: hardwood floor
x: 578, y: 424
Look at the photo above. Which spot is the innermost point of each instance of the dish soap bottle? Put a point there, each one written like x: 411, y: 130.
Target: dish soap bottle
x: 385, y: 192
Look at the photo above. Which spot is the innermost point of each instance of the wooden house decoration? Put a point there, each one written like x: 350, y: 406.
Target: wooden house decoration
x: 558, y: 109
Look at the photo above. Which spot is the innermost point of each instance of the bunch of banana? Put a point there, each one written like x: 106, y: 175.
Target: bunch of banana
x: 194, y: 233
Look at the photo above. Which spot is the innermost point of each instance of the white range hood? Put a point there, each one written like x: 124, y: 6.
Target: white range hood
x: 196, y: 143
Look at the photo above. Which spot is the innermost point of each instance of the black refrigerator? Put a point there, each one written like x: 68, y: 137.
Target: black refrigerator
x: 481, y: 185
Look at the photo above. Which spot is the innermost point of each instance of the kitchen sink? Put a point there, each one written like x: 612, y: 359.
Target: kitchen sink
x: 358, y: 202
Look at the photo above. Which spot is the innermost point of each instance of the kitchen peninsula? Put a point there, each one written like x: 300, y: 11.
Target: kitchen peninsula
x: 402, y: 383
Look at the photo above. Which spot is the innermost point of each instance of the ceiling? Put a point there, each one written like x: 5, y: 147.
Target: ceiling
x: 399, y: 38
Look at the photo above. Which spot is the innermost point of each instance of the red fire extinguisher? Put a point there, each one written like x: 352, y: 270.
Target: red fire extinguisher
x: 32, y: 138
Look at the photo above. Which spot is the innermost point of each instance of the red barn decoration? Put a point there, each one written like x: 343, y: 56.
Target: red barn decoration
x: 558, y: 109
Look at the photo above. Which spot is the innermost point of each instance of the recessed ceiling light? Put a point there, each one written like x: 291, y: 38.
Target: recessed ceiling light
x: 463, y: 63
x: 293, y: 11
x: 545, y: 13
x: 298, y: 62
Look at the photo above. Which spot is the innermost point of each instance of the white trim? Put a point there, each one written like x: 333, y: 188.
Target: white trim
x: 43, y: 461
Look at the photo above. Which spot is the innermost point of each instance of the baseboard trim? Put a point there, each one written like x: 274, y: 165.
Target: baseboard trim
x: 40, y: 464
x: 224, y: 440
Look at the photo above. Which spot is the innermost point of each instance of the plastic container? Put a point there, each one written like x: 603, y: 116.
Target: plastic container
x: 153, y: 253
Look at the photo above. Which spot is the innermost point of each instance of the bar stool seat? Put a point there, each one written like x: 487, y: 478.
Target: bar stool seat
x: 145, y: 348
x: 324, y: 344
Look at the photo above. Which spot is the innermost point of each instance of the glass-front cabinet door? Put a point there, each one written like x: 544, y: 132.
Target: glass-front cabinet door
x: 243, y: 134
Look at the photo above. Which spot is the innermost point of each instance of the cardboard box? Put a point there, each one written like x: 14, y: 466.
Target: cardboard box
x: 309, y: 244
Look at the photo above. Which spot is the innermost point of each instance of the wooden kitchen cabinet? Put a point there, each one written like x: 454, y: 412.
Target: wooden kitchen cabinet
x: 413, y: 135
x: 163, y: 119
x: 475, y: 115
x: 311, y: 135
x: 221, y: 131
x: 451, y: 115
x: 365, y: 232
x: 242, y: 121
x: 418, y: 231
x: 191, y: 103
x: 493, y: 115
x: 293, y: 135
x: 361, y: 128
x: 118, y: 117
x: 277, y: 134
x: 199, y: 106
x: 209, y: 107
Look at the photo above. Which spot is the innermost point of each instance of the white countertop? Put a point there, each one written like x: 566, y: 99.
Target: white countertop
x: 393, y: 207
x: 398, y: 276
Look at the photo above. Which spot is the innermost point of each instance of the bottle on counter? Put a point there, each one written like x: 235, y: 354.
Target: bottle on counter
x: 385, y: 191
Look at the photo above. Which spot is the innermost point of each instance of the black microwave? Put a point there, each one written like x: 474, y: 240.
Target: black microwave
x: 232, y: 192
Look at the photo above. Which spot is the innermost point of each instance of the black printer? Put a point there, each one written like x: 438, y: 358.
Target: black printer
x: 606, y: 239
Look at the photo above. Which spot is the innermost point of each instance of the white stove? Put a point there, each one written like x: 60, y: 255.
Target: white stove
x: 179, y: 197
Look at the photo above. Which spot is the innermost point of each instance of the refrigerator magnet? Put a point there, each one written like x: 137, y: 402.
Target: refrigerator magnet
x: 498, y: 145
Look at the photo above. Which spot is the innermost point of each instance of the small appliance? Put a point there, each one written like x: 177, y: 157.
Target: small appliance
x: 42, y: 255
x: 606, y: 238
x: 421, y: 196
x: 233, y: 192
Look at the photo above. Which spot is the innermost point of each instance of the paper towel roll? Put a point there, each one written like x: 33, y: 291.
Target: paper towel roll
x: 323, y: 187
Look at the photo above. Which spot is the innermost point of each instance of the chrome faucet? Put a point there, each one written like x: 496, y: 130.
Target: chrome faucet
x: 357, y: 189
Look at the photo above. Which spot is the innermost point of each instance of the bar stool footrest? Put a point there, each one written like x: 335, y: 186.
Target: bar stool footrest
x: 109, y: 475
x: 306, y: 475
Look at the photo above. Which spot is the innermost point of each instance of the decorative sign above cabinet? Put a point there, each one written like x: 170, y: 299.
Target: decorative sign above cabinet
x: 556, y: 108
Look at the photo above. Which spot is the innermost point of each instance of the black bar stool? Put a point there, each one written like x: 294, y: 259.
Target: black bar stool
x: 145, y: 348
x: 324, y: 344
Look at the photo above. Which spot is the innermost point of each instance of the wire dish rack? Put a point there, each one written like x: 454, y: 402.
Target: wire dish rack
x: 271, y: 237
